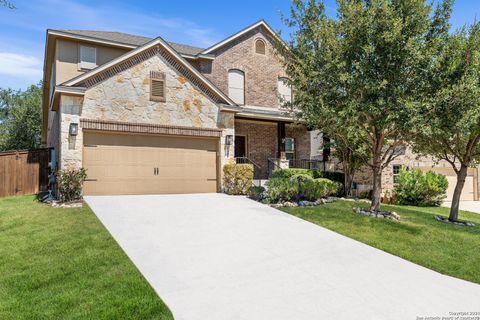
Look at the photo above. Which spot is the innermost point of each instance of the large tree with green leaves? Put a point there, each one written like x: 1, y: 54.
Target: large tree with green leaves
x: 20, y: 118
x: 448, y: 125
x: 362, y: 69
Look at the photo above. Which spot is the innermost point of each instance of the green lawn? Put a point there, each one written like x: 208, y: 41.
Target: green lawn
x: 418, y: 237
x: 63, y: 264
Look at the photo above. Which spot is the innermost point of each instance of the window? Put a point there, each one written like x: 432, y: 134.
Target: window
x: 88, y: 57
x: 236, y: 86
x: 284, y: 91
x: 396, y: 172
x: 157, y: 86
x: 260, y: 46
x: 290, y: 148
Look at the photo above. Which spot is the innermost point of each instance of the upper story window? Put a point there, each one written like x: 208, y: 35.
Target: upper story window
x: 236, y: 86
x: 260, y: 46
x: 88, y: 57
x: 284, y: 90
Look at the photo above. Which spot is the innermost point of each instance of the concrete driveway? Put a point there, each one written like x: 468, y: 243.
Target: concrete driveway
x: 472, y: 206
x: 213, y: 256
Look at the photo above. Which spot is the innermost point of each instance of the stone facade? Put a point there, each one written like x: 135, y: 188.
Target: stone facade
x: 261, y: 71
x: 125, y: 97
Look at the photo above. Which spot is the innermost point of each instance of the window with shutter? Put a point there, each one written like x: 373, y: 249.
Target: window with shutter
x: 260, y: 46
x: 284, y: 90
x: 88, y: 57
x: 236, y: 86
x: 157, y: 86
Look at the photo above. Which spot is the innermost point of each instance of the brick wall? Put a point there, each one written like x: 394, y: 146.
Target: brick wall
x: 261, y: 140
x: 302, y: 140
x: 261, y: 71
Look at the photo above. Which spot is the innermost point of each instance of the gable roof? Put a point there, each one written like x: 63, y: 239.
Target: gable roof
x: 260, y: 23
x: 128, y: 40
x: 155, y: 42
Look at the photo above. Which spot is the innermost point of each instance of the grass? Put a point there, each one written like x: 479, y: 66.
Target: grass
x: 418, y: 237
x: 63, y: 264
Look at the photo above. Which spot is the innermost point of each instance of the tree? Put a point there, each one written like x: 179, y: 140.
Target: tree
x: 21, y: 127
x: 7, y: 4
x: 448, y: 126
x: 361, y: 70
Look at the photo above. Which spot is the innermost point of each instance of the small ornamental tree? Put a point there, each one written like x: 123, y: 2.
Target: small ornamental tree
x: 361, y: 71
x: 448, y: 124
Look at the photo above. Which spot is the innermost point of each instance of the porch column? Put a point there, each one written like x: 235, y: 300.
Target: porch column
x: 281, y: 140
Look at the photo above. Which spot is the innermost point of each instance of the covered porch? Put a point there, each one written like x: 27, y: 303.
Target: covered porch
x: 273, y: 144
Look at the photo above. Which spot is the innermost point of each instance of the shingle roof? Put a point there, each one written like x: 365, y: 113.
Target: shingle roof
x: 131, y: 39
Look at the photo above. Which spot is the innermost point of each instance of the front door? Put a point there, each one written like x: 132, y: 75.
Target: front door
x: 240, y: 147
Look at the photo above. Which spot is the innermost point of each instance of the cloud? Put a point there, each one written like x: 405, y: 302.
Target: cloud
x: 20, y: 65
x: 38, y: 16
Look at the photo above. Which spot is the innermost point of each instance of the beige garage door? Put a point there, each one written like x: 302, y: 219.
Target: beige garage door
x: 147, y: 164
x: 467, y: 192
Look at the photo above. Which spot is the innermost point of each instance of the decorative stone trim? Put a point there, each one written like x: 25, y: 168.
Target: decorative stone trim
x: 132, y: 127
x: 145, y: 55
x: 380, y: 214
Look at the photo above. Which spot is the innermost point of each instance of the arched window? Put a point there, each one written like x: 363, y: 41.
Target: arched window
x: 260, y: 46
x: 236, y: 86
x: 284, y: 90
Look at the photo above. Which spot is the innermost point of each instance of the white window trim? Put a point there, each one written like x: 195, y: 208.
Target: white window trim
x: 281, y: 97
x: 85, y: 65
x: 232, y: 88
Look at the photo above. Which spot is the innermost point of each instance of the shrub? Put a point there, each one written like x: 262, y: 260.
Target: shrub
x: 282, y: 189
x: 416, y: 188
x: 288, y: 173
x: 237, y: 178
x: 70, y: 182
x: 256, y: 193
x: 300, y: 187
x: 314, y: 173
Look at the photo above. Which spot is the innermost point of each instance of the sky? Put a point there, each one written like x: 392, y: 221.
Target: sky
x: 198, y: 23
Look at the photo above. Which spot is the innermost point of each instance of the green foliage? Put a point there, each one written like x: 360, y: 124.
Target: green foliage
x: 290, y: 172
x: 8, y: 4
x: 256, y: 193
x: 413, y: 187
x: 70, y: 183
x: 331, y: 175
x: 63, y: 264
x: 237, y: 178
x: 282, y: 189
x: 300, y: 187
x: 20, y: 118
x: 417, y: 237
x: 360, y: 75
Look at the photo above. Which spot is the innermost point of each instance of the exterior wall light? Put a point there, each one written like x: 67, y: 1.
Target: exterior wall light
x: 73, y: 129
x: 229, y: 140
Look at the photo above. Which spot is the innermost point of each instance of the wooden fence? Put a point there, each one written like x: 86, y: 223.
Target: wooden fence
x: 23, y: 172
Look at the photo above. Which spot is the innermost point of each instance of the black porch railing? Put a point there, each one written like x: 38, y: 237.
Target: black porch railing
x: 295, y: 163
x: 257, y: 169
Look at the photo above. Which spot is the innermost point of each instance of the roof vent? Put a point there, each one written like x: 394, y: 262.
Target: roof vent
x: 157, y: 86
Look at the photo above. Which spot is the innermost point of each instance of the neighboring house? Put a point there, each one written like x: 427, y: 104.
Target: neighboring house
x: 148, y: 116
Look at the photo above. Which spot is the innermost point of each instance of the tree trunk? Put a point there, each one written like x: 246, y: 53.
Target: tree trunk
x: 461, y: 176
x: 377, y: 188
x: 348, y: 172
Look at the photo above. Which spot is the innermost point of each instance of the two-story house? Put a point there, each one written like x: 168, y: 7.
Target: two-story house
x: 147, y: 116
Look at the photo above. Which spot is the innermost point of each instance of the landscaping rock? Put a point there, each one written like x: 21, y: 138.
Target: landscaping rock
x: 458, y: 223
x: 72, y: 204
x: 379, y: 215
x: 290, y: 204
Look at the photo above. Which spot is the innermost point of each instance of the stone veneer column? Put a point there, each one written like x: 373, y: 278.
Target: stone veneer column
x: 70, y: 153
x: 227, y: 124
